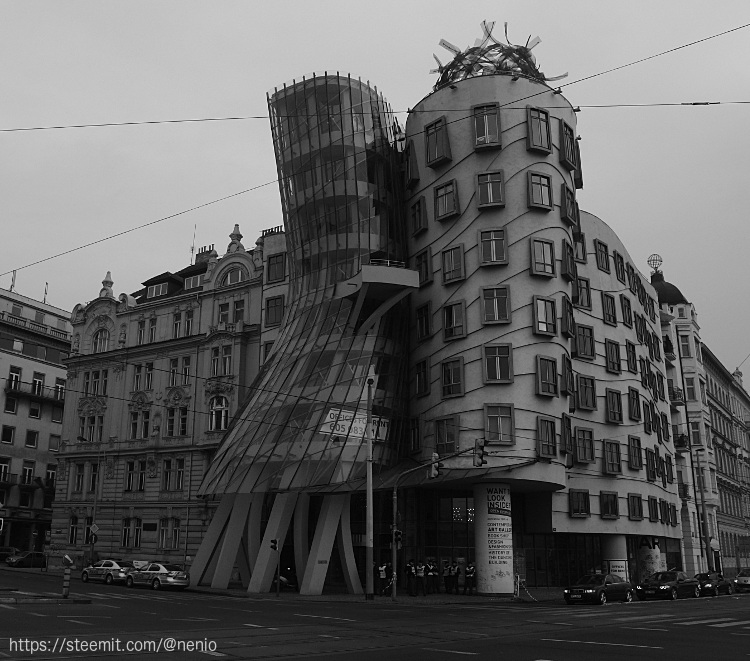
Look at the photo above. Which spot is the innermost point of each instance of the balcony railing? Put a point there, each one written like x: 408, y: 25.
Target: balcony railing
x: 676, y: 396
x: 279, y: 229
x: 684, y: 491
x: 33, y: 325
x: 35, y: 390
x: 8, y: 478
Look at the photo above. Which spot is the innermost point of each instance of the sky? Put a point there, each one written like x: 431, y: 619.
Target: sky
x: 668, y: 179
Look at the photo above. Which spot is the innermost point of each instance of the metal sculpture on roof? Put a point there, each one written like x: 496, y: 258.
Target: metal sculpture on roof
x: 489, y: 56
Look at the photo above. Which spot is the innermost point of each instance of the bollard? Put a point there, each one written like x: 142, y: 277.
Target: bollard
x: 66, y: 583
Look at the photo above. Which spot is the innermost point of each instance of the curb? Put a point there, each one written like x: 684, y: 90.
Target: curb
x: 42, y: 600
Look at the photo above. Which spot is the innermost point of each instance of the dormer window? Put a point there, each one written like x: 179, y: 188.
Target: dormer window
x: 193, y: 282
x: 156, y: 290
x: 233, y: 276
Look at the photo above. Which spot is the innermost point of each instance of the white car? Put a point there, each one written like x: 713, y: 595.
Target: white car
x: 109, y: 571
x: 742, y: 581
x: 158, y: 575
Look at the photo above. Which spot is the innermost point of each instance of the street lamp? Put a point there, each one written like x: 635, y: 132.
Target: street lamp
x: 93, y: 527
x: 369, y: 582
x: 706, y: 535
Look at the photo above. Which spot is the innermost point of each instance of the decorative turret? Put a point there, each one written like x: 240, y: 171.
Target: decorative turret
x: 235, y: 245
x: 106, y: 290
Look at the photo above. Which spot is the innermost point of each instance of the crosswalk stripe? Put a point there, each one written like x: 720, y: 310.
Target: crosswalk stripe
x: 643, y: 617
x: 730, y: 624
x: 720, y: 619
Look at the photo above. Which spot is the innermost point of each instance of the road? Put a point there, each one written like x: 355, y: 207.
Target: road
x: 263, y: 627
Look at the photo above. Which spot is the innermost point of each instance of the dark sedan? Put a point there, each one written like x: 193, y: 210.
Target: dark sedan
x: 668, y: 585
x: 713, y: 583
x: 599, y: 589
x: 27, y: 559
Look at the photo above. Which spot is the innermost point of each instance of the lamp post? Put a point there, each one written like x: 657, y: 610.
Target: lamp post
x: 93, y: 528
x: 369, y: 582
x: 706, y: 535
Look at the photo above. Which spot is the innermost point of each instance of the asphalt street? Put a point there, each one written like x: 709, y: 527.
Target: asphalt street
x: 236, y: 626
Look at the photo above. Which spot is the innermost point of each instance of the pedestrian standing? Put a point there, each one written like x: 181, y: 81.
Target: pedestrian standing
x: 454, y: 572
x: 470, y: 578
x: 411, y: 578
x: 421, y: 576
x: 447, y: 577
x: 432, y: 576
x: 380, y: 577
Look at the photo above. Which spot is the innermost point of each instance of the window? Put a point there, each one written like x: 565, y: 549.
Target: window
x: 685, y: 346
x: 635, y: 453
x: 612, y: 350
x: 149, y: 376
x: 634, y: 404
x: 578, y: 503
x: 233, y: 276
x: 608, y: 505
x: 35, y: 410
x: 619, y: 266
x: 568, y: 268
x: 188, y: 323
x: 545, y: 316
x: 546, y: 436
x: 11, y: 404
x: 453, y: 264
x: 185, y: 370
x: 539, y: 191
x: 415, y: 436
x: 137, y: 370
x: 612, y: 459
x: 152, y: 330
x: 451, y: 377
x: 453, y: 321
x: 567, y: 320
x: 546, y: 376
x: 93, y: 477
x: 132, y: 528
x: 177, y: 421
x: 586, y: 392
x: 585, y: 344
x: 169, y: 533
x: 176, y: 325
x: 690, y: 388
x: 609, y: 309
x: 631, y: 357
x: 193, y: 282
x: 424, y: 321
x: 653, y: 508
x: 421, y: 378
x: 490, y: 189
x: 568, y: 385
x: 568, y: 206
x: 100, y: 342
x: 627, y: 311
x: 226, y: 359
x: 542, y: 257
x: 78, y: 477
x: 446, y: 200
x: 635, y: 507
x: 239, y: 311
x: 139, y: 424
x: 274, y: 310
x: 422, y: 264
x: 73, y: 530
x: 276, y: 267
x: 223, y: 313
x: 8, y: 434
x: 614, y: 406
x: 219, y: 413
x: 493, y: 246
x: 410, y: 159
x: 446, y: 435
x: 498, y: 363
x: 486, y: 126
x: 584, y: 293
x: 568, y: 152
x: 173, y: 471
x: 579, y: 247
x: 651, y: 464
x: 32, y: 438
x: 499, y: 426
x: 418, y: 216
x: 267, y: 346
x: 538, y: 130
x: 173, y: 366
x: 437, y: 144
x: 156, y: 290
x: 602, y: 255
x: 496, y: 305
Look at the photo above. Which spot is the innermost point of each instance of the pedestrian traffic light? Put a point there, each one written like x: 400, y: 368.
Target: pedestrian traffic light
x: 479, y: 459
x: 435, y: 466
x: 274, y: 544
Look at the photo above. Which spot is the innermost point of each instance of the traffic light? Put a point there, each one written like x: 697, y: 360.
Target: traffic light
x: 397, y: 534
x: 435, y: 465
x: 479, y: 459
x: 274, y: 544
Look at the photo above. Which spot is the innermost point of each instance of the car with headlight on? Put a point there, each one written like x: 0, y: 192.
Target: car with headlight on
x: 109, y: 571
x: 741, y: 582
x: 159, y: 575
x: 713, y: 584
x: 668, y: 585
x: 599, y: 589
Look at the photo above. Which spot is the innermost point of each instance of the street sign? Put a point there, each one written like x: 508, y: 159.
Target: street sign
x: 93, y: 539
x: 94, y: 528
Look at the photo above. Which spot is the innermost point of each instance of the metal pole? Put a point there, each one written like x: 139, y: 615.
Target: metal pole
x: 706, y: 535
x: 93, y: 512
x: 278, y: 569
x: 394, y: 550
x: 66, y: 582
x: 369, y: 582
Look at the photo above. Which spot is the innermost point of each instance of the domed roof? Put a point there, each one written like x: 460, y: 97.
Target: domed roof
x: 666, y: 291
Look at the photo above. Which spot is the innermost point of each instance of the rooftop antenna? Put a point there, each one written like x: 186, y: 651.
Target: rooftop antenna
x: 192, y: 248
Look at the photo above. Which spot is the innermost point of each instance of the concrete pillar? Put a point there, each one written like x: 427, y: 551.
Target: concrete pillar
x: 650, y: 558
x: 615, y: 555
x: 493, y: 538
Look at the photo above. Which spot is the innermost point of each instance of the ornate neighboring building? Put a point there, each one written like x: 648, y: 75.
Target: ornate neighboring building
x: 153, y: 380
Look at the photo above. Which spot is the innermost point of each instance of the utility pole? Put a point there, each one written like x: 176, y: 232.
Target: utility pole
x: 706, y: 535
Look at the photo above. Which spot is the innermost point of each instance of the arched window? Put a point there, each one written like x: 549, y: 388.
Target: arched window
x: 233, y: 276
x: 101, y: 340
x: 219, y: 414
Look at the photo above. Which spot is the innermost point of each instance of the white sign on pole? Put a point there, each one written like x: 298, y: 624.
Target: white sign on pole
x: 493, y: 536
x: 352, y: 424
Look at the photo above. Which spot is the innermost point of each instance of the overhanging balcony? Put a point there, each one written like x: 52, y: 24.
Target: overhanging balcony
x: 676, y: 397
x: 35, y: 391
x: 684, y: 491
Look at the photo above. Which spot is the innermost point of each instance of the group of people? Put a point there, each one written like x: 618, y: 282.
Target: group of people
x: 425, y: 577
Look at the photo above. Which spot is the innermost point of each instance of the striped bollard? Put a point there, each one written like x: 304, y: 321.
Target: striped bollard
x: 66, y: 583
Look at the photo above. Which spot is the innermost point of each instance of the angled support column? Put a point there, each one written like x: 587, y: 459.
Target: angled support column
x: 254, y: 529
x: 320, y: 551
x: 301, y: 534
x: 231, y: 542
x: 199, y: 569
x: 278, y: 524
x: 346, y: 551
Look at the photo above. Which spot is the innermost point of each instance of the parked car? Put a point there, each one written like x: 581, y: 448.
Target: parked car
x: 742, y: 581
x: 713, y: 583
x: 27, y: 559
x: 158, y: 575
x: 668, y: 585
x: 598, y: 588
x: 109, y: 571
x: 7, y: 551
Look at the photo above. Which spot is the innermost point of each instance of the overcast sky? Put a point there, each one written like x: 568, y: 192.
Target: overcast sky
x: 670, y: 180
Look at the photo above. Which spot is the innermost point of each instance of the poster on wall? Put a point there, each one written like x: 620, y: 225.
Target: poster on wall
x: 493, y: 539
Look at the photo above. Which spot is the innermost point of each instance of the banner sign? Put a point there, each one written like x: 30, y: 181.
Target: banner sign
x: 493, y: 539
x: 341, y: 422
